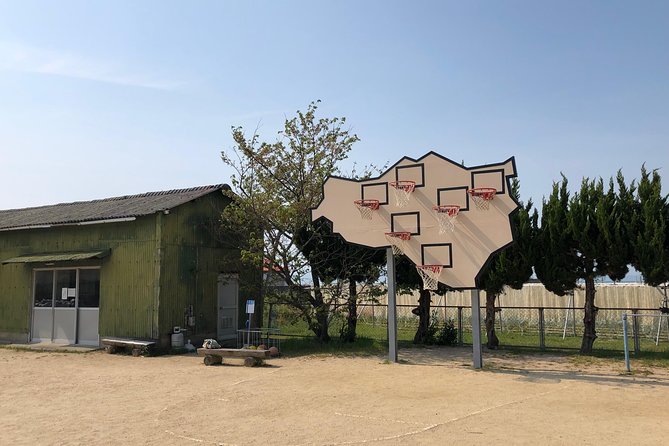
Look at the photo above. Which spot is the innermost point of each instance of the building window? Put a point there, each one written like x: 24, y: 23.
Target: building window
x: 43, y: 288
x: 67, y: 288
x: 89, y: 288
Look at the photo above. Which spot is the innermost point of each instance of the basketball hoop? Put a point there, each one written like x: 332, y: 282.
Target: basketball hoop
x: 482, y: 197
x: 398, y: 241
x: 446, y: 215
x: 430, y: 275
x: 402, y: 191
x: 366, y: 207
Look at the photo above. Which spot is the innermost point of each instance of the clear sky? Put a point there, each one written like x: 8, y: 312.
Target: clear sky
x: 99, y: 99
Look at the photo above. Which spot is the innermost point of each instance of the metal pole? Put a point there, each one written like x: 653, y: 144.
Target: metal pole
x: 459, y: 325
x: 542, y: 338
x: 476, y: 329
x: 445, y: 311
x: 635, y: 331
x: 625, y: 343
x: 373, y: 316
x: 248, y: 330
x: 392, y: 309
x: 573, y: 313
x: 566, y: 317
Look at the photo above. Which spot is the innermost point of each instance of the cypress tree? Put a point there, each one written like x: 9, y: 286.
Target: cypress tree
x: 512, y: 266
x: 650, y: 241
x: 582, y: 238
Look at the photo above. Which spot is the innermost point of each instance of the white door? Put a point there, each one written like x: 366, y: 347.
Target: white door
x: 228, y: 298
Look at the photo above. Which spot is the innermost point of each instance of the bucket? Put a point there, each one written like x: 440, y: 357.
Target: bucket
x: 177, y: 340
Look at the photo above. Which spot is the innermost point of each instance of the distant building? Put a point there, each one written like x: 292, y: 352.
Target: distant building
x: 273, y: 279
x: 133, y: 266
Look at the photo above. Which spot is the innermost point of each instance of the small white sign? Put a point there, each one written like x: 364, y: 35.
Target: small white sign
x: 250, y: 306
x: 71, y: 292
x: 63, y: 293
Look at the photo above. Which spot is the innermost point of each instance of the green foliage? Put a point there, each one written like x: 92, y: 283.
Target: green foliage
x: 435, y: 334
x: 617, y: 231
x: 448, y: 335
x: 333, y: 258
x: 275, y: 185
x: 651, y: 241
x: 557, y: 264
x: 599, y: 232
x: 513, y: 265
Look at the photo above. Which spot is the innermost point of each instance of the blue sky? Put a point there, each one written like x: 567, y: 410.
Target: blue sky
x: 99, y: 99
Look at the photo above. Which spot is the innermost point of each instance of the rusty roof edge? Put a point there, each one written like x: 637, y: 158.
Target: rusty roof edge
x: 178, y: 197
x: 204, y: 189
x: 70, y: 223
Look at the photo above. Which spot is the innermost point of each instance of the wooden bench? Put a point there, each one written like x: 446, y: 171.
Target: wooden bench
x: 137, y: 346
x: 252, y: 358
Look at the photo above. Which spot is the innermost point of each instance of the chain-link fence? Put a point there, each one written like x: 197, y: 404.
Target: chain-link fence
x: 532, y: 327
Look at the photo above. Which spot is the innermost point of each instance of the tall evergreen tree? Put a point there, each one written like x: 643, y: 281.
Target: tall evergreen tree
x: 650, y: 243
x: 512, y: 266
x: 582, y: 238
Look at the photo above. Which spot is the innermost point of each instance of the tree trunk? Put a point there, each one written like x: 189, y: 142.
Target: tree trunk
x: 493, y: 342
x: 423, y: 312
x: 322, y: 312
x: 590, y: 316
x: 348, y: 334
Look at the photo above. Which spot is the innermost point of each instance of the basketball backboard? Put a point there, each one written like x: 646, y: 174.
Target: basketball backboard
x: 477, y: 233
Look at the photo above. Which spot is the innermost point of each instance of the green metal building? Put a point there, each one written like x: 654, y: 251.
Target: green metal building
x: 133, y: 266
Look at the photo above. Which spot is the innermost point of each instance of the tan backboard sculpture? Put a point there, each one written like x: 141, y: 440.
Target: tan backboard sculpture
x: 461, y: 246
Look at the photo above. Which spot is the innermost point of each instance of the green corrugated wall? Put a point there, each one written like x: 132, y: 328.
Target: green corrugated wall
x: 125, y: 278
x: 159, y: 264
x: 193, y: 257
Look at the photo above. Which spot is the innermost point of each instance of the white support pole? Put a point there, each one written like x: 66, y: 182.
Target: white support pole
x: 626, y: 344
x: 566, y: 316
x: 476, y: 329
x: 659, y: 327
x: 392, y: 308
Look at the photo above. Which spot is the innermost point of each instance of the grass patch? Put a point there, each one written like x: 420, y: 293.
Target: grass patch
x: 372, y: 341
x: 304, y: 346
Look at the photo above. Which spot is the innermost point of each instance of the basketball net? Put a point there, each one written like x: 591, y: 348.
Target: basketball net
x: 446, y: 215
x: 398, y: 241
x: 402, y: 190
x: 430, y: 275
x: 366, y: 207
x: 482, y: 197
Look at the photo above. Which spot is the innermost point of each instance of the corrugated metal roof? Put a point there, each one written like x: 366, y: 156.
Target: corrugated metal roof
x: 59, y: 257
x: 128, y: 206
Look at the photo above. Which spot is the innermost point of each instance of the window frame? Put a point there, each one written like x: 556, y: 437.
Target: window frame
x: 53, y: 281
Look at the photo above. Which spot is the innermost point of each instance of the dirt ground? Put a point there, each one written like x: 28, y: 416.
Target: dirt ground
x: 433, y: 397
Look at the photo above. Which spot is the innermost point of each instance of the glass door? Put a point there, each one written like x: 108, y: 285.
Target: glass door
x: 64, y: 311
x: 42, y: 322
x: 66, y: 306
x: 88, y: 307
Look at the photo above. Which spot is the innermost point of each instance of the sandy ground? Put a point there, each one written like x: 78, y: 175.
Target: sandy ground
x: 432, y: 397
